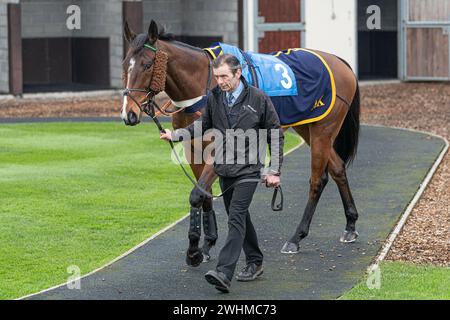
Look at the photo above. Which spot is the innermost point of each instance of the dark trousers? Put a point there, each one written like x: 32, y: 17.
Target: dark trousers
x: 241, y: 233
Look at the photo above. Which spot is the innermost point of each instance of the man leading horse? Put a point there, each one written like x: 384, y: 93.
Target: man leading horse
x: 234, y: 107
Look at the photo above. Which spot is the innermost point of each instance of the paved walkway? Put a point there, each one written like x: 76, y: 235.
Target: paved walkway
x: 389, y: 168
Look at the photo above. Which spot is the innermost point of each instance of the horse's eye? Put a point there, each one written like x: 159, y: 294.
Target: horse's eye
x: 147, y: 66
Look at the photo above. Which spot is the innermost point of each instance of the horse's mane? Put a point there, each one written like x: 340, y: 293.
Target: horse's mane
x: 188, y: 46
x: 138, y: 43
x: 163, y: 35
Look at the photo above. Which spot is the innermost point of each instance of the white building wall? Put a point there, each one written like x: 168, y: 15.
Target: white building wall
x: 331, y: 26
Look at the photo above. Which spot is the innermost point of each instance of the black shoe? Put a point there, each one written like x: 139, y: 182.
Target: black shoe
x: 250, y: 272
x: 219, y: 280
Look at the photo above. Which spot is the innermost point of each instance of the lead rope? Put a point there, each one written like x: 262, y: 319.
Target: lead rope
x: 149, y: 108
x: 274, y: 205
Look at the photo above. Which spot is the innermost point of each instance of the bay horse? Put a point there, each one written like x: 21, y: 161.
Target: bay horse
x: 155, y: 62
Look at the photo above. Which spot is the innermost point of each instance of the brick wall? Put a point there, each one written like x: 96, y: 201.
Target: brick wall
x: 103, y: 19
x: 166, y: 12
x: 44, y: 18
x: 4, y: 64
x: 99, y: 19
x: 211, y: 18
x: 195, y: 17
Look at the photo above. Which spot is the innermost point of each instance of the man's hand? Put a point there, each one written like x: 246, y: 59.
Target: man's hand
x: 167, y: 135
x: 272, y: 181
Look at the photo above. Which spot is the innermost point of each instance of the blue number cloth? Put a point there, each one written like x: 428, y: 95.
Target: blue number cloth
x: 275, y: 77
x: 298, y: 81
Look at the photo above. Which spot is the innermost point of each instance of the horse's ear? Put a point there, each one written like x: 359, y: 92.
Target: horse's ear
x: 153, y: 32
x: 128, y: 33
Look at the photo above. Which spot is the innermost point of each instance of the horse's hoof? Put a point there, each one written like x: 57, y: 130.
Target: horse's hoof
x: 349, y: 236
x: 195, y: 258
x: 290, y: 248
x: 206, y: 257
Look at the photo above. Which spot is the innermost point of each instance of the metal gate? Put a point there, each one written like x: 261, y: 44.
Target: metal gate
x: 424, y: 42
x: 279, y: 24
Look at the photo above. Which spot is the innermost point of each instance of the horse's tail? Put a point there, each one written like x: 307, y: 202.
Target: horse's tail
x: 346, y: 143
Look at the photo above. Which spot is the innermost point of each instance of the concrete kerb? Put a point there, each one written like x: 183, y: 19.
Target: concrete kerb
x: 5, y: 97
x: 63, y: 95
x: 367, y: 83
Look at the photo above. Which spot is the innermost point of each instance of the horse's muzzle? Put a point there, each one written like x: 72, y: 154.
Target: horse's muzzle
x: 132, y: 119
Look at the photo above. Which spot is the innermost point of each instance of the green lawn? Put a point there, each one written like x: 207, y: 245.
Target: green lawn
x: 405, y: 281
x: 81, y: 194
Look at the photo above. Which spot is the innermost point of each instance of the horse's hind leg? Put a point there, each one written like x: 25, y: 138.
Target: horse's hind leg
x: 337, y: 171
x: 320, y: 153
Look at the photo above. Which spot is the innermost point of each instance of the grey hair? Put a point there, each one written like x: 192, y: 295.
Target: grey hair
x: 228, y: 59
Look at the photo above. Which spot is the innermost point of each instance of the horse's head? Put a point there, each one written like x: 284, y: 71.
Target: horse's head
x: 144, y: 73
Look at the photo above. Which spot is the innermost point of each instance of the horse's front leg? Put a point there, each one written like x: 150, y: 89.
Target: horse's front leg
x: 209, y: 215
x: 199, y: 197
x: 194, y: 254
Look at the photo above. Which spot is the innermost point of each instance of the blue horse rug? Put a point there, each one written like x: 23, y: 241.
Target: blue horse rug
x: 298, y: 81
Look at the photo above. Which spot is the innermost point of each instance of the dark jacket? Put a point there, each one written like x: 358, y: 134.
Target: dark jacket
x: 256, y: 111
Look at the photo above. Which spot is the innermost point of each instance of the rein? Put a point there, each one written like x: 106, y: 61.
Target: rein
x: 148, y: 107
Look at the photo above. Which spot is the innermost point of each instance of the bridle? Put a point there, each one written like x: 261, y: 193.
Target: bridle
x: 148, y: 107
x: 149, y: 104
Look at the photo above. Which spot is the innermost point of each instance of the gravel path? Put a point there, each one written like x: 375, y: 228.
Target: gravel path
x: 422, y: 106
x: 425, y: 237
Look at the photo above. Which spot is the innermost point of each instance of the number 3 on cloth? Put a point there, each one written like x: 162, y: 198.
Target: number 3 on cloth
x: 287, y: 81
